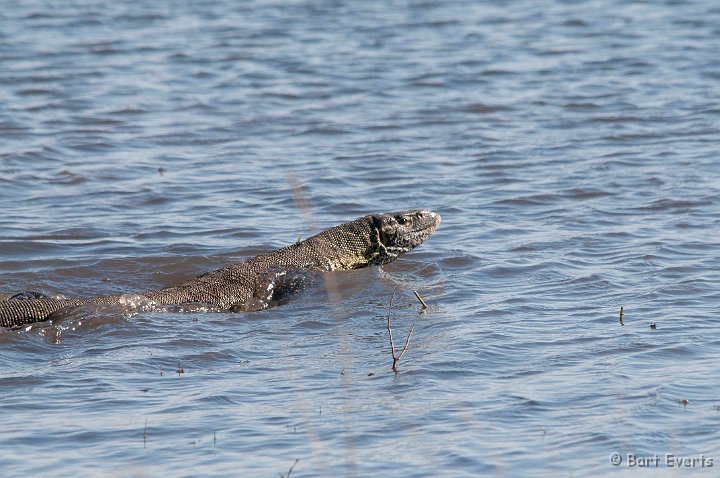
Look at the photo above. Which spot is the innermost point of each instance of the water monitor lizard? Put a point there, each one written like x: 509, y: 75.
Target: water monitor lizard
x: 371, y: 240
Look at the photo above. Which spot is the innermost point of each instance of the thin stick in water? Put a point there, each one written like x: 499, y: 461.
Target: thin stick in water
x: 392, y: 345
x: 396, y: 358
x: 407, y: 342
x: 291, y: 469
x: 422, y: 302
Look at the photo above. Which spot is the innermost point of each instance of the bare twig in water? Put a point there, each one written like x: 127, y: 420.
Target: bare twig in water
x: 392, y: 345
x: 290, y: 470
x: 422, y: 302
x: 396, y: 358
x: 145, y: 435
x: 621, y: 315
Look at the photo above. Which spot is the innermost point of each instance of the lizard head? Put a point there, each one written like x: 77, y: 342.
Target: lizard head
x: 370, y: 240
x: 396, y: 233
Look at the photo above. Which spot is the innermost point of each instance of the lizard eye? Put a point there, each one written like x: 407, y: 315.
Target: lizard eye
x: 401, y: 220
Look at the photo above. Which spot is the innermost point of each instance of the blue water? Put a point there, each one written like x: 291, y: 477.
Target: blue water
x: 570, y: 147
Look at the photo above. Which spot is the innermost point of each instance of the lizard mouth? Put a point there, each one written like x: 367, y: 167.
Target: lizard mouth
x: 430, y: 221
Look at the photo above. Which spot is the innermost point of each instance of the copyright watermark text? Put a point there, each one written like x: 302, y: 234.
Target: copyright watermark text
x: 668, y: 460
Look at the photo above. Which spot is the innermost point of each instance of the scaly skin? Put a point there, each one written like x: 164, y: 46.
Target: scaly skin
x: 371, y: 240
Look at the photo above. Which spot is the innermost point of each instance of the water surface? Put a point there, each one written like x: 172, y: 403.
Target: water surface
x: 571, y: 148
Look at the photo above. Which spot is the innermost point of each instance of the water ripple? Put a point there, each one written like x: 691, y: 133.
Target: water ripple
x: 571, y: 149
